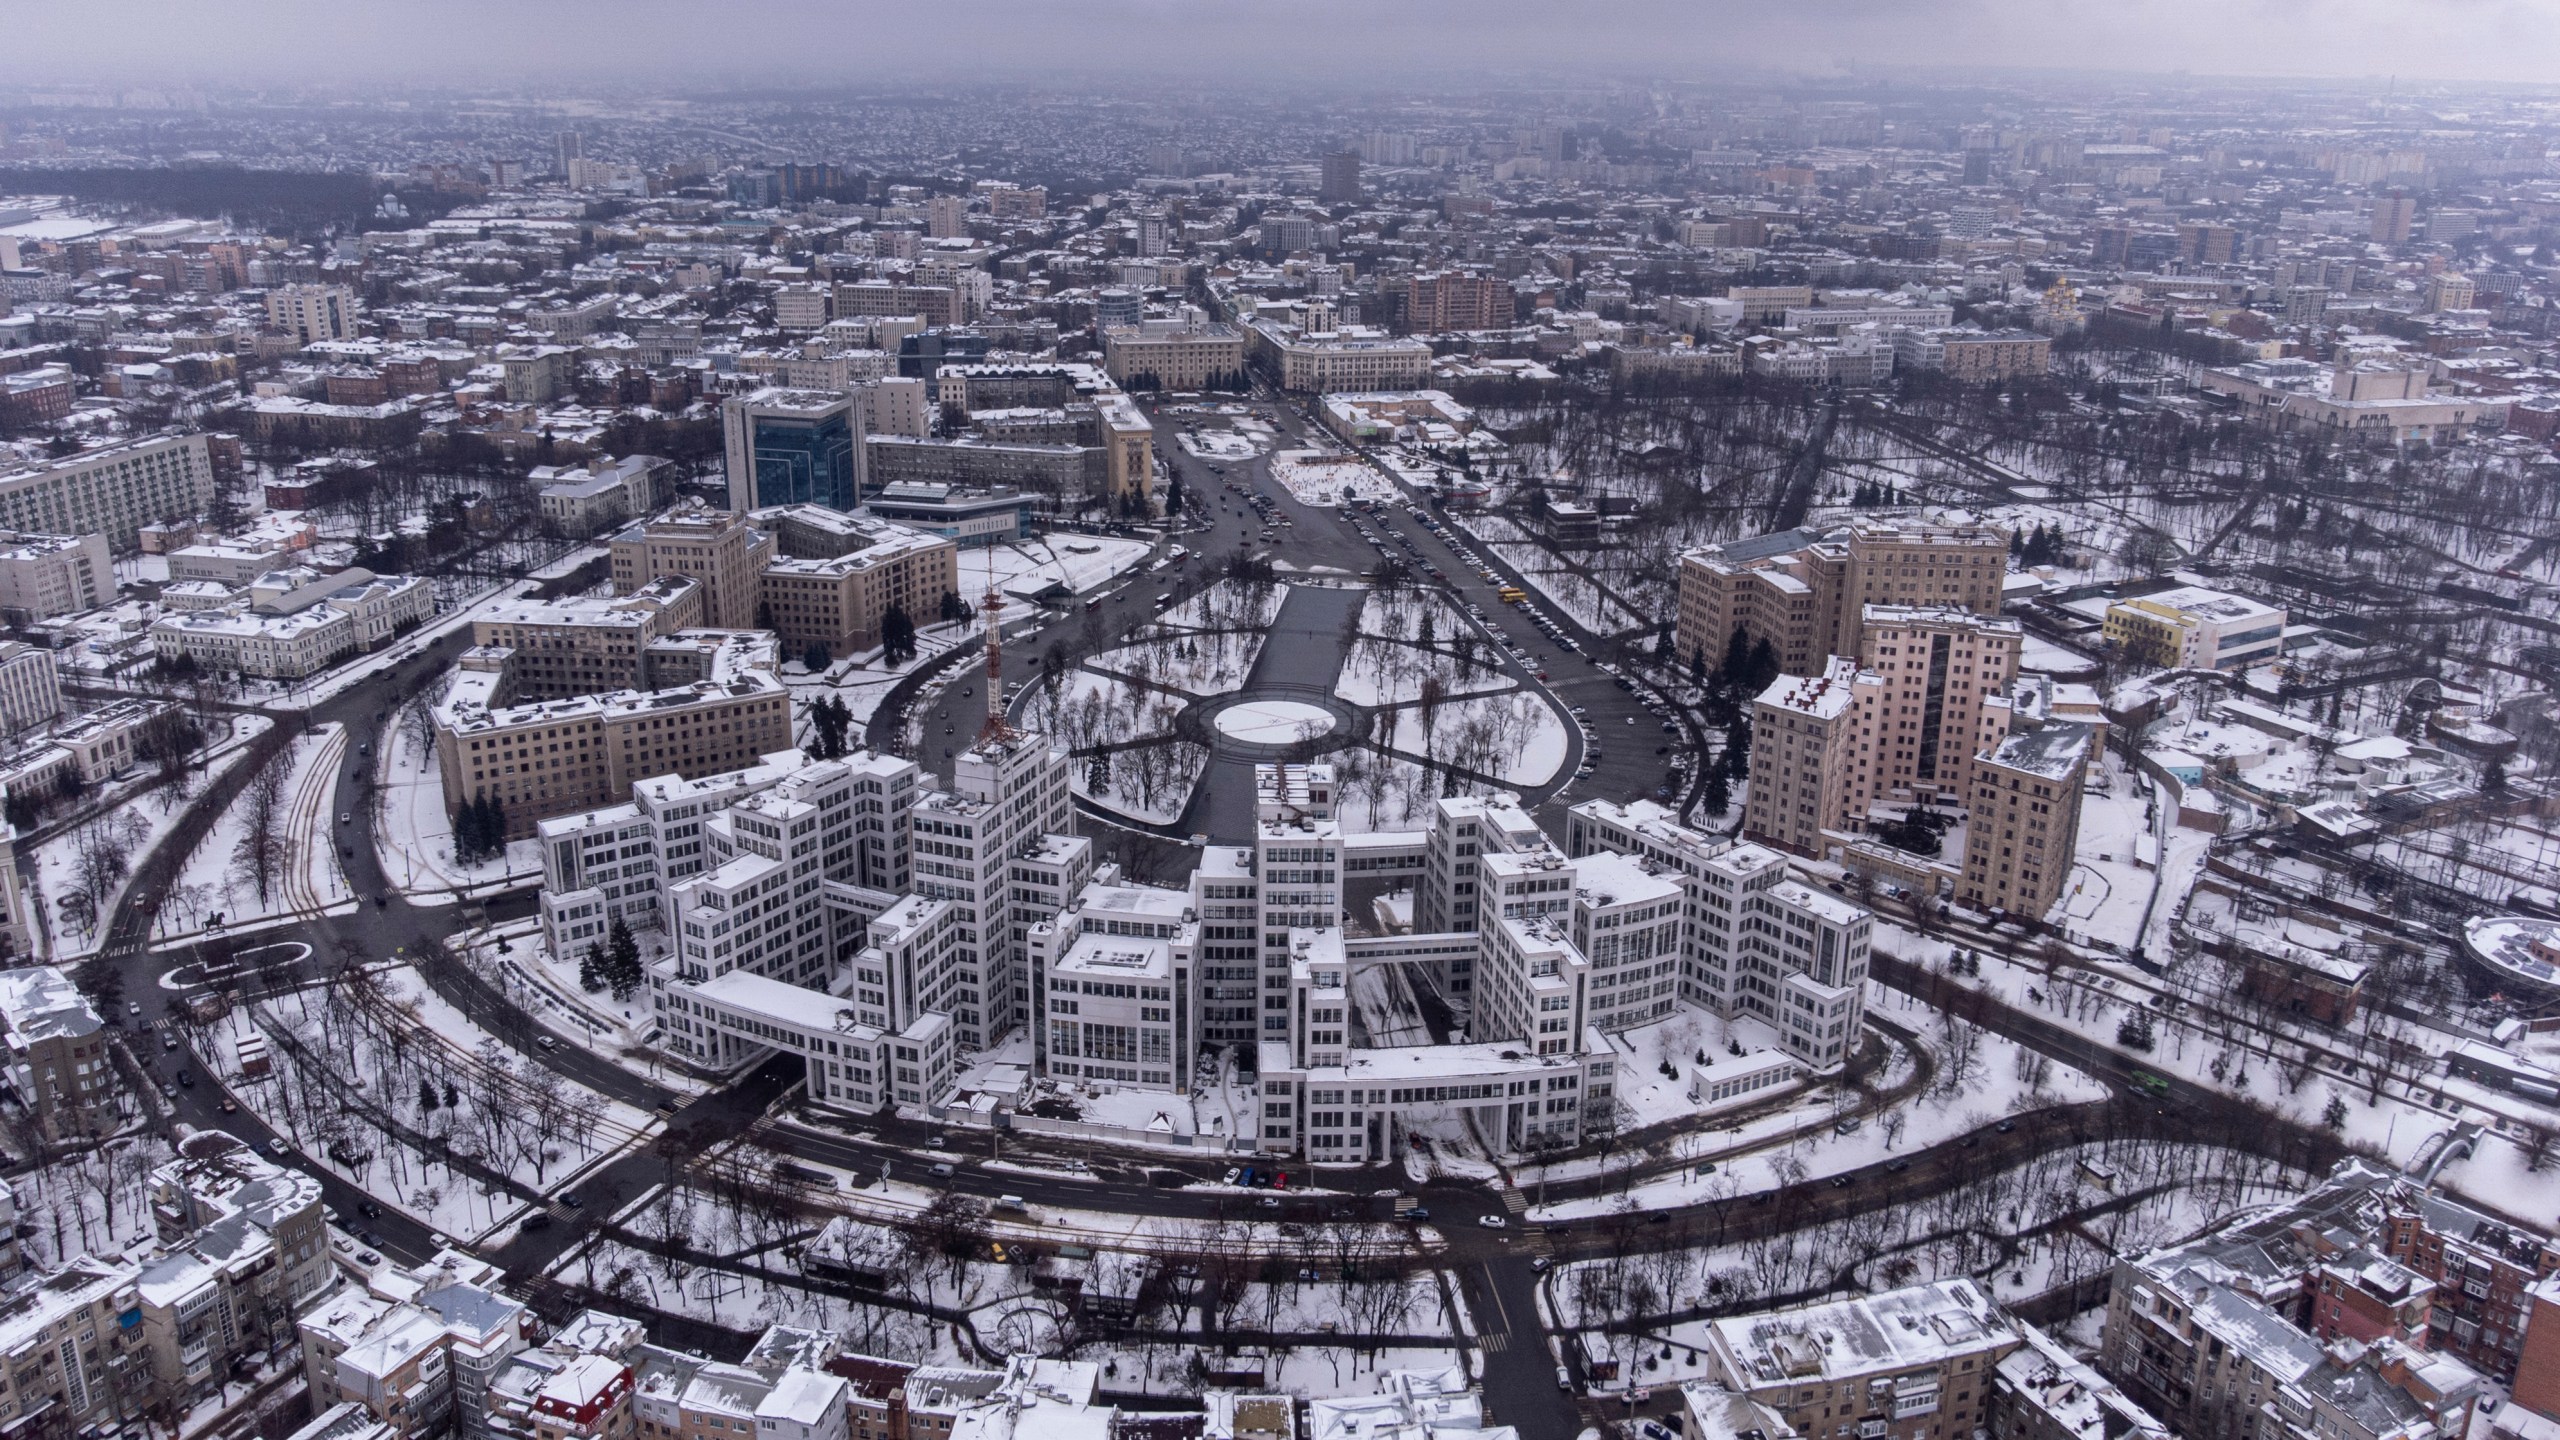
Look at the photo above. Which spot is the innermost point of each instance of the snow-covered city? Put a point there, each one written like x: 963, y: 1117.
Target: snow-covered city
x: 1779, y: 751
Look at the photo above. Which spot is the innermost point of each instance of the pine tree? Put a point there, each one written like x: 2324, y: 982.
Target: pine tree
x: 591, y: 968
x: 1719, y: 796
x: 622, y: 960
x: 1698, y: 665
x: 1737, y: 739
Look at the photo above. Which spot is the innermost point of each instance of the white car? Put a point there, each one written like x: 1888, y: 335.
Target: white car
x: 1493, y: 1222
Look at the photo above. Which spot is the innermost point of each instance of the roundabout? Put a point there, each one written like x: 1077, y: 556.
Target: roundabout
x: 1403, y: 693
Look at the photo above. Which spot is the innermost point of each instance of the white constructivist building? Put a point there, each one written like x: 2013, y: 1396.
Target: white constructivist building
x: 891, y: 934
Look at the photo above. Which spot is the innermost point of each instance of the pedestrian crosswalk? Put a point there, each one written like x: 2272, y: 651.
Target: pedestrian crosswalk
x: 1493, y: 1343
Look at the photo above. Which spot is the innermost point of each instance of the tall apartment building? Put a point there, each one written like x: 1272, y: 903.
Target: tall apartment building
x: 946, y: 217
x: 718, y: 549
x: 1913, y: 1364
x: 619, y: 862
x: 1341, y: 178
x: 1805, y: 758
x: 313, y: 313
x: 581, y: 500
x: 2023, y: 826
x: 1306, y: 363
x: 1805, y: 591
x: 788, y: 943
x: 57, y: 1054
x: 1933, y: 694
x: 2394, y: 216
x: 789, y: 447
x: 1114, y: 998
x: 1446, y: 300
x: 46, y: 575
x: 74, y: 1365
x: 1297, y: 857
x: 113, y: 491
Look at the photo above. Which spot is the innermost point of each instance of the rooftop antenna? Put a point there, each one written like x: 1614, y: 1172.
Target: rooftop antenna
x: 991, y: 609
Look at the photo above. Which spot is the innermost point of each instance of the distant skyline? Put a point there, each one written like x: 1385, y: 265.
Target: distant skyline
x: 611, y: 43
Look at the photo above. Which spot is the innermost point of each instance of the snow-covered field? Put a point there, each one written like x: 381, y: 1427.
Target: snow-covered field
x: 218, y: 881
x: 1219, y: 445
x: 1518, y: 739
x: 95, y: 857
x: 1080, y: 563
x: 397, y: 1091
x: 1315, y: 478
x: 1381, y: 673
x: 1227, y: 605
x: 1213, y: 663
x: 1151, y: 782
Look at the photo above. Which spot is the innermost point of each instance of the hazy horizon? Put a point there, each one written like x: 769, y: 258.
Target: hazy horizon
x: 609, y: 44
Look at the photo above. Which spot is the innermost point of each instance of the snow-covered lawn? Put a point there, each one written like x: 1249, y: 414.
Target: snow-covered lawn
x: 1374, y: 792
x: 1383, y: 672
x: 1650, y: 1097
x: 1518, y: 739
x: 2259, y: 1061
x: 1227, y: 605
x: 415, y: 835
x: 1980, y: 1230
x: 382, y: 1082
x: 1218, y: 445
x: 1980, y: 1077
x: 215, y: 882
x: 1214, y: 663
x: 1315, y: 478
x: 115, y: 840
x: 1087, y: 708
x: 1080, y: 563
x: 1150, y: 782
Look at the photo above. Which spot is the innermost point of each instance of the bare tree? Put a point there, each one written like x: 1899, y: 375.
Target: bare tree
x: 260, y: 854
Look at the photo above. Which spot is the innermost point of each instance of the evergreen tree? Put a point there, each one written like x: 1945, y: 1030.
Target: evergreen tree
x: 897, y: 636
x: 591, y: 968
x: 2135, y: 1032
x: 1737, y: 656
x: 497, y: 826
x: 1737, y: 739
x: 815, y: 658
x: 622, y: 960
x: 1719, y: 796
x: 1763, y: 667
x: 1698, y: 665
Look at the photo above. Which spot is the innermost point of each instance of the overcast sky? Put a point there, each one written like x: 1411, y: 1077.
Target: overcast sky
x: 473, y: 42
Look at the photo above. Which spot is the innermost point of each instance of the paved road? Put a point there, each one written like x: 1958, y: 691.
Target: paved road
x: 1494, y: 1265
x: 1303, y: 651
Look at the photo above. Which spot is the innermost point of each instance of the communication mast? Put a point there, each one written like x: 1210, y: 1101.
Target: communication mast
x: 991, y: 610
